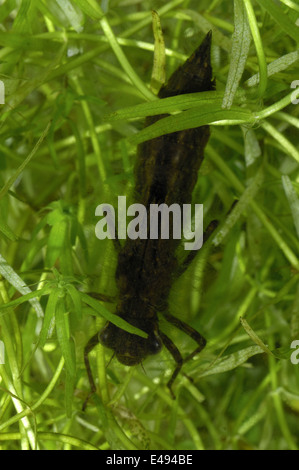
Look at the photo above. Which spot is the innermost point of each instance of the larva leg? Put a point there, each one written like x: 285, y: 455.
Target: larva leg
x: 92, y: 343
x: 197, y: 337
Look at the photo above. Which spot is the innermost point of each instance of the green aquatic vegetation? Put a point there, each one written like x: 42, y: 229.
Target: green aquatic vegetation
x: 78, y: 82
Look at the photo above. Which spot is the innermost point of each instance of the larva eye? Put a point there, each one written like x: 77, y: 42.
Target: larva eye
x: 154, y: 344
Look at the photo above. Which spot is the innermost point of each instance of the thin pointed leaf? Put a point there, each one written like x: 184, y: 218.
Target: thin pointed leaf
x: 49, y: 319
x: 293, y: 200
x: 232, y: 361
x: 118, y: 321
x: 240, y: 48
x: 255, y: 338
x: 278, y: 14
x: 15, y: 280
x: 69, y: 386
x: 76, y: 299
x: 6, y: 230
x: 62, y: 330
x: 56, y: 242
x: 25, y: 298
x: 191, y: 119
x: 158, y: 74
x: 168, y: 105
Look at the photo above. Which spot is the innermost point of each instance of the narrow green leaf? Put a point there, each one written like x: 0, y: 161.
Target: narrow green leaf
x: 293, y: 200
x: 240, y: 48
x: 118, y: 321
x: 123, y: 61
x: 62, y: 330
x: 191, y: 119
x: 56, y: 242
x: 158, y: 74
x: 25, y: 298
x: 80, y: 157
x: 6, y: 230
x: 243, y: 203
x: 15, y: 280
x: 25, y: 41
x: 49, y: 319
x: 255, y: 338
x: 254, y: 27
x: 232, y: 361
x: 74, y: 17
x: 285, y: 144
x: 76, y: 299
x: 252, y: 149
x: 23, y: 19
x: 70, y: 381
x: 21, y: 168
x: 278, y: 14
x: 205, y: 26
x: 278, y: 65
x: 90, y: 8
x: 168, y: 105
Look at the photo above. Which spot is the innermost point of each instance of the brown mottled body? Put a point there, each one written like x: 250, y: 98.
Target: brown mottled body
x: 166, y: 172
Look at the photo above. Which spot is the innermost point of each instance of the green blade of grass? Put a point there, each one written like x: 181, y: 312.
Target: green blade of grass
x: 21, y: 168
x: 240, y: 49
x: 191, y: 119
x: 276, y: 11
x: 115, y: 319
x: 258, y: 45
x: 63, y: 334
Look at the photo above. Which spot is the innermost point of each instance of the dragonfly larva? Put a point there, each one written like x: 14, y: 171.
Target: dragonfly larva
x: 166, y: 172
